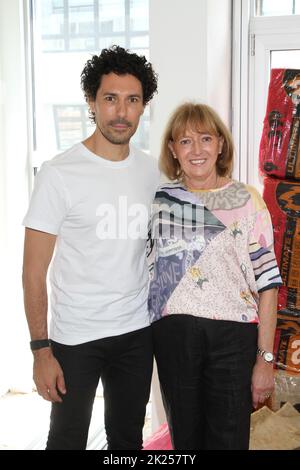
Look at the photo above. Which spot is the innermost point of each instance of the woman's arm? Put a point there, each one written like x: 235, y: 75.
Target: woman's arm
x: 263, y: 373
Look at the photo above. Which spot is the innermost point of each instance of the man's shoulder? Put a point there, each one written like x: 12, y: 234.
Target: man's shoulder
x: 61, y: 165
x: 66, y: 156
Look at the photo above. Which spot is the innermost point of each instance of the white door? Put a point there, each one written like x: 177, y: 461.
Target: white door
x: 274, y: 44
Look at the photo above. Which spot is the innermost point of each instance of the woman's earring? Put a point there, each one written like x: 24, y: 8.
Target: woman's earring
x: 174, y: 156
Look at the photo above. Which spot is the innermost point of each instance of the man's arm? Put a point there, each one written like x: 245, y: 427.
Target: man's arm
x: 38, y: 252
x: 263, y: 374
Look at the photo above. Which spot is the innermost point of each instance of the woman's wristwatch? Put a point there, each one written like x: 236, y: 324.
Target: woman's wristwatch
x: 266, y: 355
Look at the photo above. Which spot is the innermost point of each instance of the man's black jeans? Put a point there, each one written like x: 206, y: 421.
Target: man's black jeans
x: 124, y: 364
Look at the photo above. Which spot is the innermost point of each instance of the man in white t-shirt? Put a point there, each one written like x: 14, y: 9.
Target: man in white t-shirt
x: 91, y: 206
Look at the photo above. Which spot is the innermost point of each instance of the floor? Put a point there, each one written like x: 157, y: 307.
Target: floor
x: 25, y: 419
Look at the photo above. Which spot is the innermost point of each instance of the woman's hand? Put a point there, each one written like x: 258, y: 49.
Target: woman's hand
x: 262, y: 385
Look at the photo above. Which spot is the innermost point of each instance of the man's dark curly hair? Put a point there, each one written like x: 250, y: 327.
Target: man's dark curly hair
x: 118, y: 60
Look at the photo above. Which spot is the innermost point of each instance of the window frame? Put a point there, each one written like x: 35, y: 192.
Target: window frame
x: 249, y: 33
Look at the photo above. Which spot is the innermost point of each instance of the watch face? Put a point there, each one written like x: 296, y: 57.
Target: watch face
x: 268, y: 357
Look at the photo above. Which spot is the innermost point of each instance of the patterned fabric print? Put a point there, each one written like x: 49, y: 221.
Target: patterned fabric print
x: 236, y: 195
x: 261, y: 250
x: 224, y: 259
x: 228, y: 290
x: 262, y: 255
x: 177, y: 246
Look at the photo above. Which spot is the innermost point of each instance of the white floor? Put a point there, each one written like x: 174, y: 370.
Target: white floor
x: 24, y: 421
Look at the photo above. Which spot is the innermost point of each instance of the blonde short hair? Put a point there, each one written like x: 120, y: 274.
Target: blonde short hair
x: 195, y: 116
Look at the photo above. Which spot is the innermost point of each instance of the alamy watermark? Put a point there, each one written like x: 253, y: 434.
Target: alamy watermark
x: 133, y: 221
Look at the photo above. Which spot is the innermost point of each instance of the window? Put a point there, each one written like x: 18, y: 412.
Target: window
x: 277, y: 7
x: 65, y: 34
x: 72, y: 125
x: 286, y: 59
x: 84, y: 25
x: 279, y: 51
x: 262, y: 42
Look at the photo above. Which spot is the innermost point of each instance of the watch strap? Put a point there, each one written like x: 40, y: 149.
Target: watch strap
x: 39, y: 344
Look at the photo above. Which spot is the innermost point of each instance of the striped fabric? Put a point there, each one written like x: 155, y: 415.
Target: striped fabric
x: 211, y: 252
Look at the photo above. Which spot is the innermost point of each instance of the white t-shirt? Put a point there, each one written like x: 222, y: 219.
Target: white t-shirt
x: 99, y: 211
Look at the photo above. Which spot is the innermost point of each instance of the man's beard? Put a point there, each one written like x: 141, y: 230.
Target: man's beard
x: 113, y: 137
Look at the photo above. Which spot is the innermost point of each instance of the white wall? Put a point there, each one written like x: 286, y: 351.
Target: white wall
x: 218, y: 55
x: 13, y: 148
x: 190, y: 49
x: 178, y: 56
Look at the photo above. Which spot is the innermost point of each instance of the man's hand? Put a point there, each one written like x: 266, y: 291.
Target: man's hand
x: 48, y: 375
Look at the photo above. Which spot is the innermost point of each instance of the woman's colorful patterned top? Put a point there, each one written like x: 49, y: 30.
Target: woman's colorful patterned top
x: 212, y: 252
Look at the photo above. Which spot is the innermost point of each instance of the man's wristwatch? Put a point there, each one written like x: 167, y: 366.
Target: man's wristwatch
x: 39, y: 344
x: 266, y: 355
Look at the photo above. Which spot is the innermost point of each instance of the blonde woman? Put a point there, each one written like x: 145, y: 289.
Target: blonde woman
x: 214, y: 287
